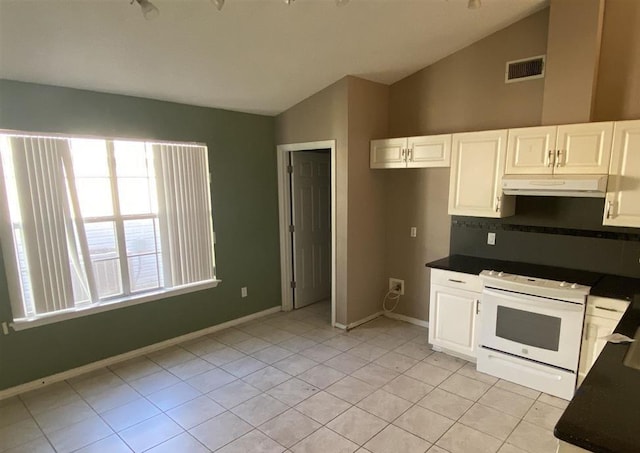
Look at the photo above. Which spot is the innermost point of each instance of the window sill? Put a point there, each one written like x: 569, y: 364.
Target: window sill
x: 27, y: 323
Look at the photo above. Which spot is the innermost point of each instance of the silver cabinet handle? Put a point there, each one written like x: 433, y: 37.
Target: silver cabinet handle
x: 410, y: 154
x: 607, y: 309
x: 550, y: 158
x: 609, y: 209
x: 498, y: 200
x: 559, y: 157
x: 456, y: 281
x: 477, y: 307
x: 402, y: 153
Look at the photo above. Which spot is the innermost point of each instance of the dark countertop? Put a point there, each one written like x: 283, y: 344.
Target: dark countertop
x: 603, y: 416
x: 617, y: 287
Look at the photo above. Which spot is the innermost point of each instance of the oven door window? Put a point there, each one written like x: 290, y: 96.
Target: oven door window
x: 528, y: 328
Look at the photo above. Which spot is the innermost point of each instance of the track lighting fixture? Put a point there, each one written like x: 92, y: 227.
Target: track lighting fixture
x: 150, y: 11
x: 474, y: 4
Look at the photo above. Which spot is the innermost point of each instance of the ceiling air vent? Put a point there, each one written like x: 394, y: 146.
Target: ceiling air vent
x: 526, y: 69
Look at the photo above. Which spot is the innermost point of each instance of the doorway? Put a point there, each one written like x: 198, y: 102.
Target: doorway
x: 306, y: 195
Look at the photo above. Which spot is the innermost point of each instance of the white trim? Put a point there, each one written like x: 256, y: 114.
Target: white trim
x: 38, y: 383
x: 340, y: 326
x: 363, y: 320
x: 284, y: 208
x: 409, y: 319
x: 62, y: 315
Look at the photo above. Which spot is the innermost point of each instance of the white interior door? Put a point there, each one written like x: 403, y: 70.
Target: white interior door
x: 311, y: 213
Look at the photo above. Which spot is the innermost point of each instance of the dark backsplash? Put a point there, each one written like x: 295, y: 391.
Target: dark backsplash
x: 555, y: 231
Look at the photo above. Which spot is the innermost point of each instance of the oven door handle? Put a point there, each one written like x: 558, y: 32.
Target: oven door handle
x: 535, y: 301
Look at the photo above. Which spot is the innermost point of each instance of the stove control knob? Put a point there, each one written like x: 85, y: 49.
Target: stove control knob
x: 563, y: 284
x: 491, y: 272
x: 574, y: 285
x: 500, y: 274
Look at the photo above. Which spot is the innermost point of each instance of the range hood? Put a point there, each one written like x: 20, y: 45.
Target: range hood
x: 594, y: 186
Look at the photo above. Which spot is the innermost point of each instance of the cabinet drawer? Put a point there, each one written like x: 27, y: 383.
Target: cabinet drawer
x: 606, y: 308
x: 459, y: 280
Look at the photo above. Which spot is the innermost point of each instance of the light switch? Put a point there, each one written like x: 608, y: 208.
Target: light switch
x: 491, y: 238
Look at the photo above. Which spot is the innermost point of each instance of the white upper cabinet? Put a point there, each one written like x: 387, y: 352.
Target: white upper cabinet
x: 412, y: 152
x: 622, y: 206
x: 531, y: 150
x: 567, y: 149
x: 583, y: 148
x: 477, y: 167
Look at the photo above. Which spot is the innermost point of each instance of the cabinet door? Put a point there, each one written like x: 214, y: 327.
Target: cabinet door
x: 622, y: 206
x: 584, y: 148
x: 429, y: 151
x: 388, y: 153
x: 531, y: 150
x: 477, y: 167
x: 595, y: 328
x: 452, y: 319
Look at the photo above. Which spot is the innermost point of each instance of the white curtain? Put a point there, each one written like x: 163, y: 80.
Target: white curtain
x: 184, y: 213
x: 47, y: 222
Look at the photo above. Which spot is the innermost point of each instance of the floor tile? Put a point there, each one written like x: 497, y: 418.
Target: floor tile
x: 290, y: 427
x: 462, y: 439
x: 202, y: 345
x: 63, y: 416
x: 321, y: 376
x: 266, y: 378
x: 320, y: 335
x: 79, y: 435
x: 519, y: 389
x: 415, y: 351
x: 436, y: 449
x: 251, y: 345
x: 19, y: 433
x: 357, y: 425
x: 211, y: 380
x: 172, y: 356
x: 533, y: 439
x: 465, y: 387
x: 181, y: 443
x: 231, y: 336
x: 367, y: 352
x: 394, y: 440
x: 12, y: 411
x: 254, y: 442
x: 244, y: 366
x: 489, y: 421
x: 110, y: 399
x: 38, y: 445
x: 154, y: 382
x: 322, y: 407
x: 234, y: 393
x: 375, y: 375
x: 508, y: 448
x: 259, y: 409
x: 50, y: 397
x: 543, y: 415
x: 506, y: 402
x: 351, y: 389
x: 324, y: 440
x: 111, y: 444
x: 469, y: 370
x: 220, y: 430
x: 293, y: 391
x: 424, y: 423
x: 276, y: 336
x: 445, y: 403
x: 445, y: 361
x: 408, y: 388
x: 173, y: 396
x: 346, y: 363
x: 130, y: 414
x: 428, y: 373
x: 295, y: 364
x: 95, y: 383
x: 150, y: 433
x: 223, y: 356
x: 320, y: 352
x: 195, y: 412
x: 191, y: 368
x: 297, y: 343
x: 553, y: 401
x: 272, y: 354
x: 384, y: 405
x: 342, y: 343
x: 135, y: 368
x: 396, y: 362
x: 387, y: 342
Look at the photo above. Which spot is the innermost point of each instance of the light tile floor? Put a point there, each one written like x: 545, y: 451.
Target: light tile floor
x: 287, y: 382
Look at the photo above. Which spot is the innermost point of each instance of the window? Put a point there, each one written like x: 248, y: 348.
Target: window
x: 94, y: 222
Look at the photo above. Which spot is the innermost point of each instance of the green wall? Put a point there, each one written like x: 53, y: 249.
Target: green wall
x: 242, y: 157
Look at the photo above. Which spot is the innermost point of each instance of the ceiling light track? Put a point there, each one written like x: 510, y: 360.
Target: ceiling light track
x: 151, y: 11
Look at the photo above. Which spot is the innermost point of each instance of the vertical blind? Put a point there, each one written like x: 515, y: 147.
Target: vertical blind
x: 59, y: 256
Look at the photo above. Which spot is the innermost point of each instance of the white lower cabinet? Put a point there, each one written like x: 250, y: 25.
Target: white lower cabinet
x: 602, y: 317
x: 453, y: 310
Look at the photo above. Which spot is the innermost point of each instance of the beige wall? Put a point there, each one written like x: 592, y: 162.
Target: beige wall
x: 368, y: 118
x: 466, y: 91
x: 618, y: 89
x: 573, y: 52
x: 324, y: 116
x: 463, y: 92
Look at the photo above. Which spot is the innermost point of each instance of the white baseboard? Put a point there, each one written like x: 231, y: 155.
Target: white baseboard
x: 337, y: 325
x: 363, y: 320
x: 409, y: 319
x: 38, y: 383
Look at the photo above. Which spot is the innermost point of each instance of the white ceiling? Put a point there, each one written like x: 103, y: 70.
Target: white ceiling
x: 258, y: 56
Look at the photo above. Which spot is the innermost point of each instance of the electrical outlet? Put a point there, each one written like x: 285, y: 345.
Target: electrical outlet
x: 243, y: 291
x: 414, y: 232
x: 491, y: 238
x: 393, y: 284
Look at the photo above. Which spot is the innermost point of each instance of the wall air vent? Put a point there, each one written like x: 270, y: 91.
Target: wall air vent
x: 526, y: 69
